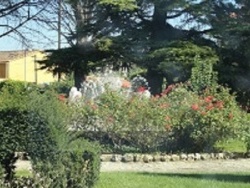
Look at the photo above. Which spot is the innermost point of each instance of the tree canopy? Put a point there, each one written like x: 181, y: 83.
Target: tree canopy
x: 144, y: 31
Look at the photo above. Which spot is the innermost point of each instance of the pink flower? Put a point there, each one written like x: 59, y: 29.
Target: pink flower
x: 141, y: 89
x: 195, y: 107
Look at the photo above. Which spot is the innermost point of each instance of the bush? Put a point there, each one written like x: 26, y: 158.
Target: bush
x: 49, y: 132
x: 40, y: 127
x: 199, y: 121
x: 13, y: 94
x: 13, y: 137
x: 77, y: 166
x: 60, y: 87
x: 179, y: 120
x: 136, y: 122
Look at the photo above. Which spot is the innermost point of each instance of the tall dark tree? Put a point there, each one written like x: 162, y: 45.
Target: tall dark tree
x: 150, y: 27
x: 229, y: 26
x: 137, y: 32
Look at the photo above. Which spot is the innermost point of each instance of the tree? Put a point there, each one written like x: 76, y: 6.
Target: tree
x: 229, y: 26
x: 15, y: 17
x: 90, y: 39
x: 132, y: 31
x: 149, y: 28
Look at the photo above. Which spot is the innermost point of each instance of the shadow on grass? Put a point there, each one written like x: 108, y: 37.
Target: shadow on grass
x: 233, y: 178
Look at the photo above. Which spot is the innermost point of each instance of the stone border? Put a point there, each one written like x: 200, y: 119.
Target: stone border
x: 146, y: 158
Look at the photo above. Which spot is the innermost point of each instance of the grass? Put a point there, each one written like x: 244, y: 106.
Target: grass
x: 169, y: 180
x: 231, y: 145
x: 23, y: 173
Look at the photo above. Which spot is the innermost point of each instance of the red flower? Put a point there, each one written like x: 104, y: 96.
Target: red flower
x: 126, y: 84
x: 141, y: 89
x: 195, y: 107
x: 62, y: 97
x: 167, y: 90
x: 208, y: 99
x: 219, y: 104
x: 210, y: 107
x: 93, y: 106
x: 110, y: 119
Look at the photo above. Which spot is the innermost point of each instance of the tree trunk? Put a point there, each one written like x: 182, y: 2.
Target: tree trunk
x: 161, y: 31
x: 155, y: 81
x: 79, y: 77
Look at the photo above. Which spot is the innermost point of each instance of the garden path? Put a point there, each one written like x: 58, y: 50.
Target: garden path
x: 209, y: 166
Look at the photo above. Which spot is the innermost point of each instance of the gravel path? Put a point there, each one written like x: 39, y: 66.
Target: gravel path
x: 210, y: 166
x: 240, y: 165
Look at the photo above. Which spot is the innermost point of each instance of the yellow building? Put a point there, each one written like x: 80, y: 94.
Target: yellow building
x: 22, y: 66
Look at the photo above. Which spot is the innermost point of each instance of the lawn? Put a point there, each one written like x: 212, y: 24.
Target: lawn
x: 169, y: 180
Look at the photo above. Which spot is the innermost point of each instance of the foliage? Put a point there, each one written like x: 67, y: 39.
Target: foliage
x: 76, y: 166
x: 198, y: 122
x: 13, y: 137
x: 2, y: 176
x: 203, y: 75
x: 177, y: 59
x: 39, y: 127
x: 180, y: 119
x: 13, y: 94
x: 60, y: 87
x: 134, y: 121
x: 121, y: 4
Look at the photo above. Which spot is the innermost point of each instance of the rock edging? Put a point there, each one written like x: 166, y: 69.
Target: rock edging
x: 146, y: 158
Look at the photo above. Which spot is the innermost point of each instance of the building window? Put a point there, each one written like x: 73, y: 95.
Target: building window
x: 3, y: 70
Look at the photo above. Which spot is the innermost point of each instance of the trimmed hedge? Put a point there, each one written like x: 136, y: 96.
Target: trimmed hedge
x: 13, y: 137
x: 38, y: 126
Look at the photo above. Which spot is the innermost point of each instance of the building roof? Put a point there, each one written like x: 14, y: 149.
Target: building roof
x: 11, y: 55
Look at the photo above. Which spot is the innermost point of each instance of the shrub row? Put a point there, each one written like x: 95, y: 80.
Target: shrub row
x: 178, y: 120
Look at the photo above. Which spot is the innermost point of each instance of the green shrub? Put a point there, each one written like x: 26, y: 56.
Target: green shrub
x: 199, y: 121
x: 180, y: 120
x: 40, y: 127
x: 136, y: 122
x: 13, y: 94
x: 60, y: 87
x: 58, y: 160
x: 77, y: 165
x: 49, y: 132
x: 13, y: 137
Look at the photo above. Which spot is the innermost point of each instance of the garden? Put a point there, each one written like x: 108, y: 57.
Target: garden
x: 64, y: 134
x: 135, y: 77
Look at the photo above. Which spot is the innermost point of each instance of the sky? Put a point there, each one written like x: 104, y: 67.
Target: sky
x: 36, y: 41
x: 9, y: 44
